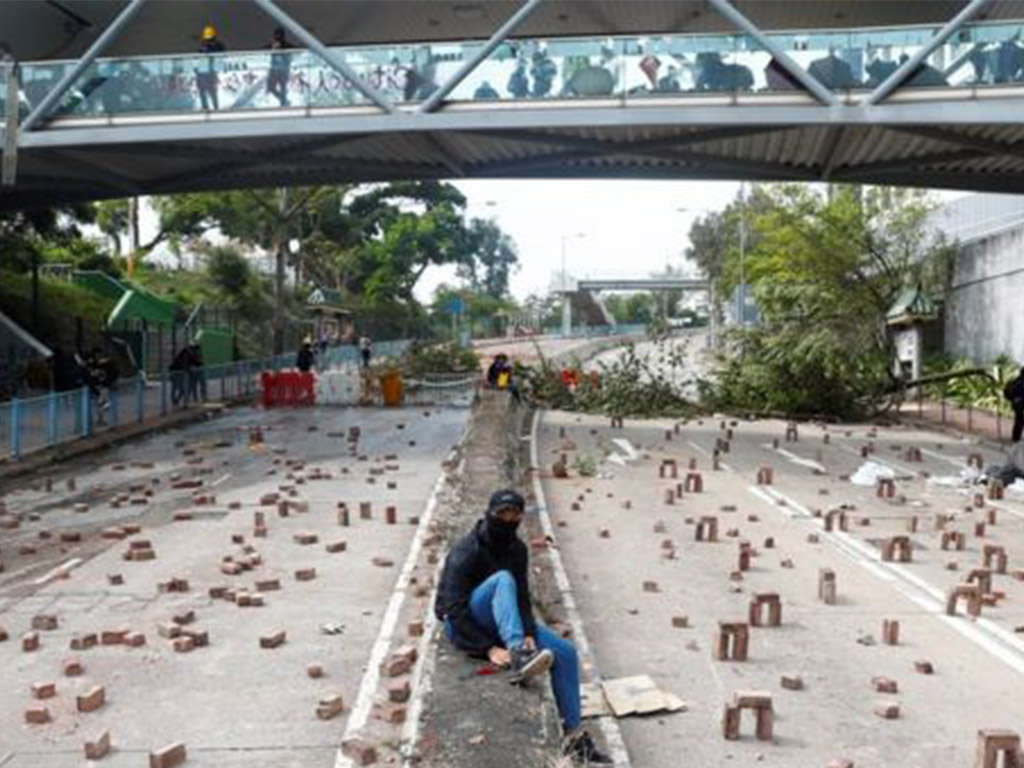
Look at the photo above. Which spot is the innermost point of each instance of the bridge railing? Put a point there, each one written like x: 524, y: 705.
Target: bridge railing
x: 620, y: 68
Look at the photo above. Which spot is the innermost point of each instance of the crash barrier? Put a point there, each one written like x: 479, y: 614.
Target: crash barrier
x: 352, y: 385
x: 287, y: 389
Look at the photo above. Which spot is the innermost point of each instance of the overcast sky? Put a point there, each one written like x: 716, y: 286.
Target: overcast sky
x: 630, y: 228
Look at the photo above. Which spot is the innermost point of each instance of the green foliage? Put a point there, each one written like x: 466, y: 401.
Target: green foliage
x: 631, y: 308
x: 493, y: 259
x: 482, y: 314
x: 631, y: 384
x: 973, y: 391
x: 421, y: 358
x: 62, y: 305
x: 229, y: 270
x: 825, y: 268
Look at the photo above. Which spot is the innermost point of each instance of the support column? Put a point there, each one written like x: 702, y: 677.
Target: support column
x: 566, y: 314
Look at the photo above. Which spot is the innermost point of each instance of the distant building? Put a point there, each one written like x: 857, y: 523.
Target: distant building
x: 984, y: 310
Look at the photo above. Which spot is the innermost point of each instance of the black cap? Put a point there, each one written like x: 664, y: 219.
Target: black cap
x: 506, y: 498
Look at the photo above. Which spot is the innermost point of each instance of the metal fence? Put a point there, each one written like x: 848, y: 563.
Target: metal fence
x: 37, y: 423
x: 938, y: 408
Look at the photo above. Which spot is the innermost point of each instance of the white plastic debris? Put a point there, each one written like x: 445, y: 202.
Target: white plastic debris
x: 870, y: 472
x: 967, y: 477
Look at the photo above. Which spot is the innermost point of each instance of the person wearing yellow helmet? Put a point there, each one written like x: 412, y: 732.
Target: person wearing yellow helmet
x: 206, y: 72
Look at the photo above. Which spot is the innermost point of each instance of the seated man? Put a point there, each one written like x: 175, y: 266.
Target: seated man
x: 484, y: 601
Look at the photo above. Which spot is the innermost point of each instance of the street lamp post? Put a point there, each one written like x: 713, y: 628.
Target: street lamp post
x: 566, y: 303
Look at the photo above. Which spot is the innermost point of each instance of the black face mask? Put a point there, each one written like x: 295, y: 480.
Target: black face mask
x: 500, y: 534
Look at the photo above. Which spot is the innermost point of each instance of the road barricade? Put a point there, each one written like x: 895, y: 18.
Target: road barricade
x: 288, y: 389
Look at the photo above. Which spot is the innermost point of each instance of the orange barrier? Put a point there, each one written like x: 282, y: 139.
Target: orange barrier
x: 391, y: 389
x: 288, y: 389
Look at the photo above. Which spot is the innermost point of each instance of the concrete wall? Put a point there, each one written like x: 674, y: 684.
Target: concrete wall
x: 985, y: 308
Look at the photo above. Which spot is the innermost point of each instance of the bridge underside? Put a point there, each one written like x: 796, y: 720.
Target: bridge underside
x: 971, y: 145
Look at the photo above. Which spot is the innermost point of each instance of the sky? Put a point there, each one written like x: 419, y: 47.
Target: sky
x: 629, y: 228
x: 611, y: 228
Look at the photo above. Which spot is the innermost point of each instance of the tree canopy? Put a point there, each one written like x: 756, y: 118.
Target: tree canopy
x: 824, y: 265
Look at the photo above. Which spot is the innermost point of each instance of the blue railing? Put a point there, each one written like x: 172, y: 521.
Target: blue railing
x: 37, y: 423
x: 619, y: 68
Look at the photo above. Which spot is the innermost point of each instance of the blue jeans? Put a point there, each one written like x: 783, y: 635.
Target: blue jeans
x: 494, y: 607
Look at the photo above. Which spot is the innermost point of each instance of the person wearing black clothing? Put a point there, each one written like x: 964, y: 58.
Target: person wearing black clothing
x: 196, y: 377
x: 280, y: 67
x: 1014, y: 392
x: 179, y: 369
x: 206, y: 73
x: 518, y: 83
x: 304, y: 360
x: 483, y: 601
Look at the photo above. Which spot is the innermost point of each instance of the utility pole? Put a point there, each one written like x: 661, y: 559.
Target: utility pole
x: 134, y: 239
x: 280, y: 244
x: 741, y: 296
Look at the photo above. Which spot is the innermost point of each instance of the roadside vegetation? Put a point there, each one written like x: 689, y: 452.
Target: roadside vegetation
x: 824, y: 266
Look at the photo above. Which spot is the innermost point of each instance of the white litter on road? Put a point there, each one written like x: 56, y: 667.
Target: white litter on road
x: 965, y: 479
x: 869, y: 473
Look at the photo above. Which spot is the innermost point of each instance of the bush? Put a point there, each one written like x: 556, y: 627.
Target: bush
x: 421, y: 358
x: 631, y: 385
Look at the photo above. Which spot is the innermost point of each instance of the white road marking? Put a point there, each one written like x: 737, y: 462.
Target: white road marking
x: 627, y: 448
x: 959, y: 462
x: 799, y: 460
x: 60, y: 570
x: 987, y: 634
x: 371, y: 679
x: 609, y: 727
x: 423, y: 671
x: 220, y: 480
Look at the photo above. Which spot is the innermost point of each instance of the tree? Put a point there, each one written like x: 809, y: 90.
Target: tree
x: 493, y: 254
x: 825, y: 268
x: 25, y: 237
x: 229, y: 269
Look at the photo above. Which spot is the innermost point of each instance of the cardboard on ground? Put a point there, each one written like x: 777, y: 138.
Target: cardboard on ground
x: 638, y: 695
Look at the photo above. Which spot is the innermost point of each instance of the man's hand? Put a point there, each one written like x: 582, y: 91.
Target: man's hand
x: 529, y: 643
x: 499, y: 657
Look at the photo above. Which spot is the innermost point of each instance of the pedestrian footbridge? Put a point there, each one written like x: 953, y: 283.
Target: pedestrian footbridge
x: 830, y: 91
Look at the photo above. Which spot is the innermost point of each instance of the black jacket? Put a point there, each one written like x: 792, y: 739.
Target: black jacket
x: 470, y: 562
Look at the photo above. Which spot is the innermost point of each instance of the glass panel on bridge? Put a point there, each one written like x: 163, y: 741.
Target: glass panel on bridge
x: 623, y: 68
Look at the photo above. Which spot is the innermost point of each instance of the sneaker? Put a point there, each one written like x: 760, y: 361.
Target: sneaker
x: 526, y: 663
x: 581, y: 748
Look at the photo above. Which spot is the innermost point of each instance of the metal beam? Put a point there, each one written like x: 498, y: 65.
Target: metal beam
x: 830, y: 153
x: 240, y: 161
x: 906, y: 163
x: 502, y: 33
x: 594, y: 148
x: 332, y: 59
x: 639, y: 284
x: 437, y: 143
x: 694, y: 114
x: 661, y: 142
x: 661, y: 149
x: 893, y: 81
x: 9, y: 162
x: 56, y: 93
x: 811, y: 83
x: 980, y: 143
